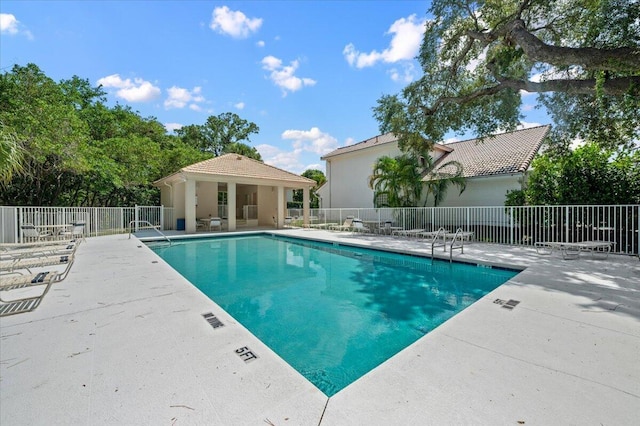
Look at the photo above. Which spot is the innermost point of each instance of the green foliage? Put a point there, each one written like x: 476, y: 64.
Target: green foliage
x: 581, y: 56
x: 588, y: 175
x: 396, y: 181
x: 11, y: 154
x: 242, y: 149
x: 400, y: 181
x: 220, y: 134
x: 72, y: 149
x: 320, y: 179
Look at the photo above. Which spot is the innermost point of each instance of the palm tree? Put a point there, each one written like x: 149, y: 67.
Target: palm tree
x: 400, y: 181
x: 396, y: 182
x: 439, y: 177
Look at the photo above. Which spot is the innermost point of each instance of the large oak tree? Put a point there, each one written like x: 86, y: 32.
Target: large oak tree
x: 582, y: 57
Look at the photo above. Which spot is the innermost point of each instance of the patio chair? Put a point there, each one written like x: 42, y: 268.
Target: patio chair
x: 344, y: 227
x: 31, y: 233
x: 33, y: 262
x: 384, y: 228
x: 77, y: 231
x: 215, y: 222
x: 358, y: 226
x: 15, y: 280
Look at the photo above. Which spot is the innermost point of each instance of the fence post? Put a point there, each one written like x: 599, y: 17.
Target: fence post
x: 95, y: 222
x: 467, y: 219
x: 16, y: 218
x: 511, y: 225
x: 135, y: 217
x: 162, y: 217
x: 566, y: 223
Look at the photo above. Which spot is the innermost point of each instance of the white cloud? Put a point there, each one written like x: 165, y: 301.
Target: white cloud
x: 10, y: 25
x: 276, y: 157
x: 283, y: 76
x: 405, y: 44
x: 137, y: 90
x: 180, y: 97
x: 233, y: 23
x: 260, y: 43
x: 312, y: 140
x: 315, y: 166
x: 525, y: 125
x: 239, y: 105
x: 404, y: 75
x: 172, y: 126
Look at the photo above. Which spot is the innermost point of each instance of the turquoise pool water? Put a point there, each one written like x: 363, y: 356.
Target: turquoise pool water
x: 332, y: 312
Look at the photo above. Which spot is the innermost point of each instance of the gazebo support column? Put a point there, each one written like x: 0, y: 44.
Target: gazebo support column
x: 215, y: 199
x: 305, y: 206
x: 231, y: 201
x: 190, y: 206
x: 282, y: 206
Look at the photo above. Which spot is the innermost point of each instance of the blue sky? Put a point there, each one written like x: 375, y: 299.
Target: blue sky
x: 308, y: 73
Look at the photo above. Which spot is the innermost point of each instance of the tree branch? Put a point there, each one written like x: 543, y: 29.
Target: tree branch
x: 614, y: 87
x: 591, y: 58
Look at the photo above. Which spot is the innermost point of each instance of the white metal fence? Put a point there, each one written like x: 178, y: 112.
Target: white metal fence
x: 524, y: 225
x: 97, y: 220
x: 503, y: 225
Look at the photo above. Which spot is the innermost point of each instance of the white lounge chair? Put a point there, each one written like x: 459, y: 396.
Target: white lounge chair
x: 573, y: 250
x: 465, y: 235
x: 408, y: 232
x: 27, y: 264
x: 344, y: 227
x: 16, y: 280
x: 39, y: 250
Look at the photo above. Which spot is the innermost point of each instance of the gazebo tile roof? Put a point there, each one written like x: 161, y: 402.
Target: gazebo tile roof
x: 236, y: 165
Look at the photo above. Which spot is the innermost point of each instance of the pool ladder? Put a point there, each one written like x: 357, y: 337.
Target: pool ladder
x: 434, y: 241
x: 459, y: 233
x: 442, y: 233
x: 148, y: 226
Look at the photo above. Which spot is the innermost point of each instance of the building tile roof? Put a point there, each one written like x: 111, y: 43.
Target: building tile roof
x: 505, y: 153
x: 374, y: 141
x: 236, y: 165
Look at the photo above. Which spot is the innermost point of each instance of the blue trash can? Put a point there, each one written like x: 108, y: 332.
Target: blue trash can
x: 180, y: 224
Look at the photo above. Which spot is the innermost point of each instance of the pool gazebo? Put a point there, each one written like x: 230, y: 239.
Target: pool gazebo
x: 244, y: 191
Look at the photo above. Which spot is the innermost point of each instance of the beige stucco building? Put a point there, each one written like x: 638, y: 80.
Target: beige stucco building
x: 238, y: 189
x: 492, y: 167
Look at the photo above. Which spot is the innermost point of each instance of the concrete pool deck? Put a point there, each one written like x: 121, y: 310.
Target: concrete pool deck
x: 123, y: 341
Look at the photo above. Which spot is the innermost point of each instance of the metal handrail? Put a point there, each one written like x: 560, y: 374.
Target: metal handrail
x: 137, y: 222
x: 435, y: 238
x: 459, y: 232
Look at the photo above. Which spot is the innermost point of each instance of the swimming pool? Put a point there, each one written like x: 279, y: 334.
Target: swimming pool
x: 331, y: 311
